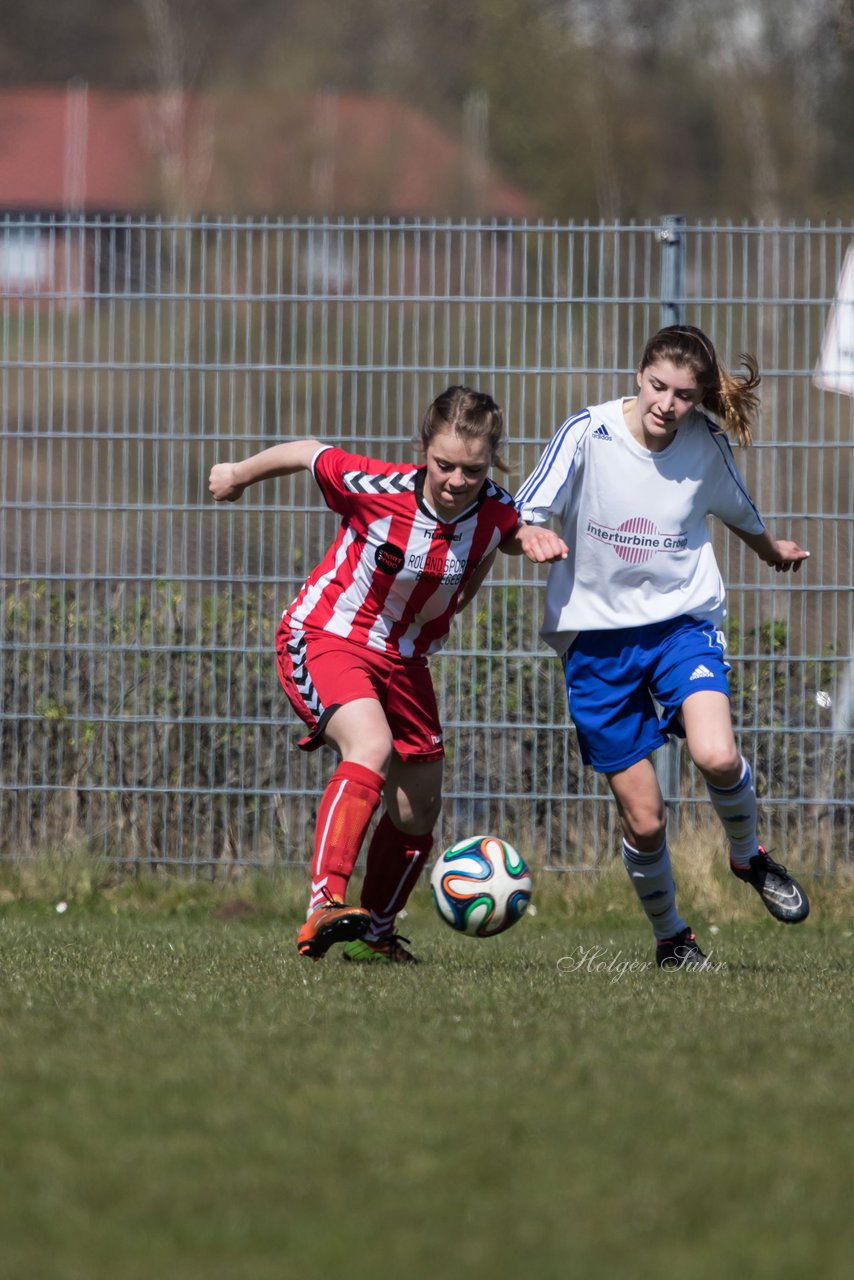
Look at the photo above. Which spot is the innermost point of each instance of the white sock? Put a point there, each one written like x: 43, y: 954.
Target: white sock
x: 736, y: 808
x: 652, y: 880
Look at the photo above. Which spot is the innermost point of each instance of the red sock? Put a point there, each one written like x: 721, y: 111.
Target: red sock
x: 394, y: 863
x: 346, y: 807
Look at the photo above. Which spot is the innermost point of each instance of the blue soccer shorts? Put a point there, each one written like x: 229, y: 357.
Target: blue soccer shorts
x: 615, y: 678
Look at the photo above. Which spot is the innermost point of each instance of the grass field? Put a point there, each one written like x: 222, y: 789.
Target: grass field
x: 182, y: 1096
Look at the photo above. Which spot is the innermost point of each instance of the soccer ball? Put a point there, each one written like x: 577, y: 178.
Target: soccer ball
x: 481, y: 886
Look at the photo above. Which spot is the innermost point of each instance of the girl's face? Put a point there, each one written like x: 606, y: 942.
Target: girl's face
x: 456, y: 470
x: 667, y: 395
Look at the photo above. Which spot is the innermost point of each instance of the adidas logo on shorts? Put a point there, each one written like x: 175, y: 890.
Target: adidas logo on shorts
x: 702, y: 673
x: 601, y: 433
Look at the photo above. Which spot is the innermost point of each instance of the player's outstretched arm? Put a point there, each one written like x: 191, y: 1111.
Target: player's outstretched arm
x: 539, y: 544
x: 780, y: 553
x: 228, y: 479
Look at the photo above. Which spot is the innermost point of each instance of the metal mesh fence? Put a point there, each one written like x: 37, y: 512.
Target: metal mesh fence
x: 141, y: 711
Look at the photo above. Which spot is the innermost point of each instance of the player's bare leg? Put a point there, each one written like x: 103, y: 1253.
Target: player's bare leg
x: 640, y: 804
x: 360, y: 733
x: 707, y: 719
x: 413, y: 794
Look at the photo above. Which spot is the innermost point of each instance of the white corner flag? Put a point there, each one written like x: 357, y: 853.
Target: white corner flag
x: 835, y: 368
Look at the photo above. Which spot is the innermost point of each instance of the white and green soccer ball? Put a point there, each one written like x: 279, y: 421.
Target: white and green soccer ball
x: 481, y: 886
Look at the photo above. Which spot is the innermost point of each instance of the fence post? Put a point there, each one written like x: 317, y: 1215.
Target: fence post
x: 672, y: 240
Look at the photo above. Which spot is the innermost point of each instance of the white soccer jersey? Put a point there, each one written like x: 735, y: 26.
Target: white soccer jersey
x: 634, y: 522
x: 393, y: 577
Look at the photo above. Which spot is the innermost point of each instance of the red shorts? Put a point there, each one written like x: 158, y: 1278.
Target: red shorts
x: 321, y: 672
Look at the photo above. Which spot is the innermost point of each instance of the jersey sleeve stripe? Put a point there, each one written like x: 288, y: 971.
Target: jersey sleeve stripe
x: 526, y: 495
x: 725, y: 449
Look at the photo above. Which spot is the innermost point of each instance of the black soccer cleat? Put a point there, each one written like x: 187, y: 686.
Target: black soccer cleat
x: 782, y: 894
x: 680, y: 952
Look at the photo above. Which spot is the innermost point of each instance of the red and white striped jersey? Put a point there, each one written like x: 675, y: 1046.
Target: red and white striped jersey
x: 393, y: 577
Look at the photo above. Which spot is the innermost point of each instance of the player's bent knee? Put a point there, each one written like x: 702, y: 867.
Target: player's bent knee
x: 379, y: 757
x: 415, y: 816
x: 644, y: 831
x: 419, y: 821
x: 372, y: 750
x: 722, y: 768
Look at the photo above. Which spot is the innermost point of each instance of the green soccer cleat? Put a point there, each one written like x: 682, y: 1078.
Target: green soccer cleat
x: 382, y: 951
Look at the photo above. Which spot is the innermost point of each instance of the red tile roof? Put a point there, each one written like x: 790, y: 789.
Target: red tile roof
x: 272, y: 154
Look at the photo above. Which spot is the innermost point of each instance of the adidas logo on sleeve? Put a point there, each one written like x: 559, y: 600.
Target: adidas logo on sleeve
x: 702, y: 673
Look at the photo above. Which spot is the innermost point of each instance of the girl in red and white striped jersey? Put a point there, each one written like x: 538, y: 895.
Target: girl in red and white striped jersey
x: 413, y: 547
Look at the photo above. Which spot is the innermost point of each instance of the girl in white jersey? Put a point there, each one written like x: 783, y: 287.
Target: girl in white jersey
x: 414, y: 545
x: 634, y: 601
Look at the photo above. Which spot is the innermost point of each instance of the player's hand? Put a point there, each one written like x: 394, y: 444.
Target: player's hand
x: 786, y: 555
x: 541, y: 545
x: 222, y: 482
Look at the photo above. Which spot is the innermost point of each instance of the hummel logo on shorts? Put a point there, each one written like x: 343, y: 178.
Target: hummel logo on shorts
x: 702, y: 673
x: 601, y: 433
